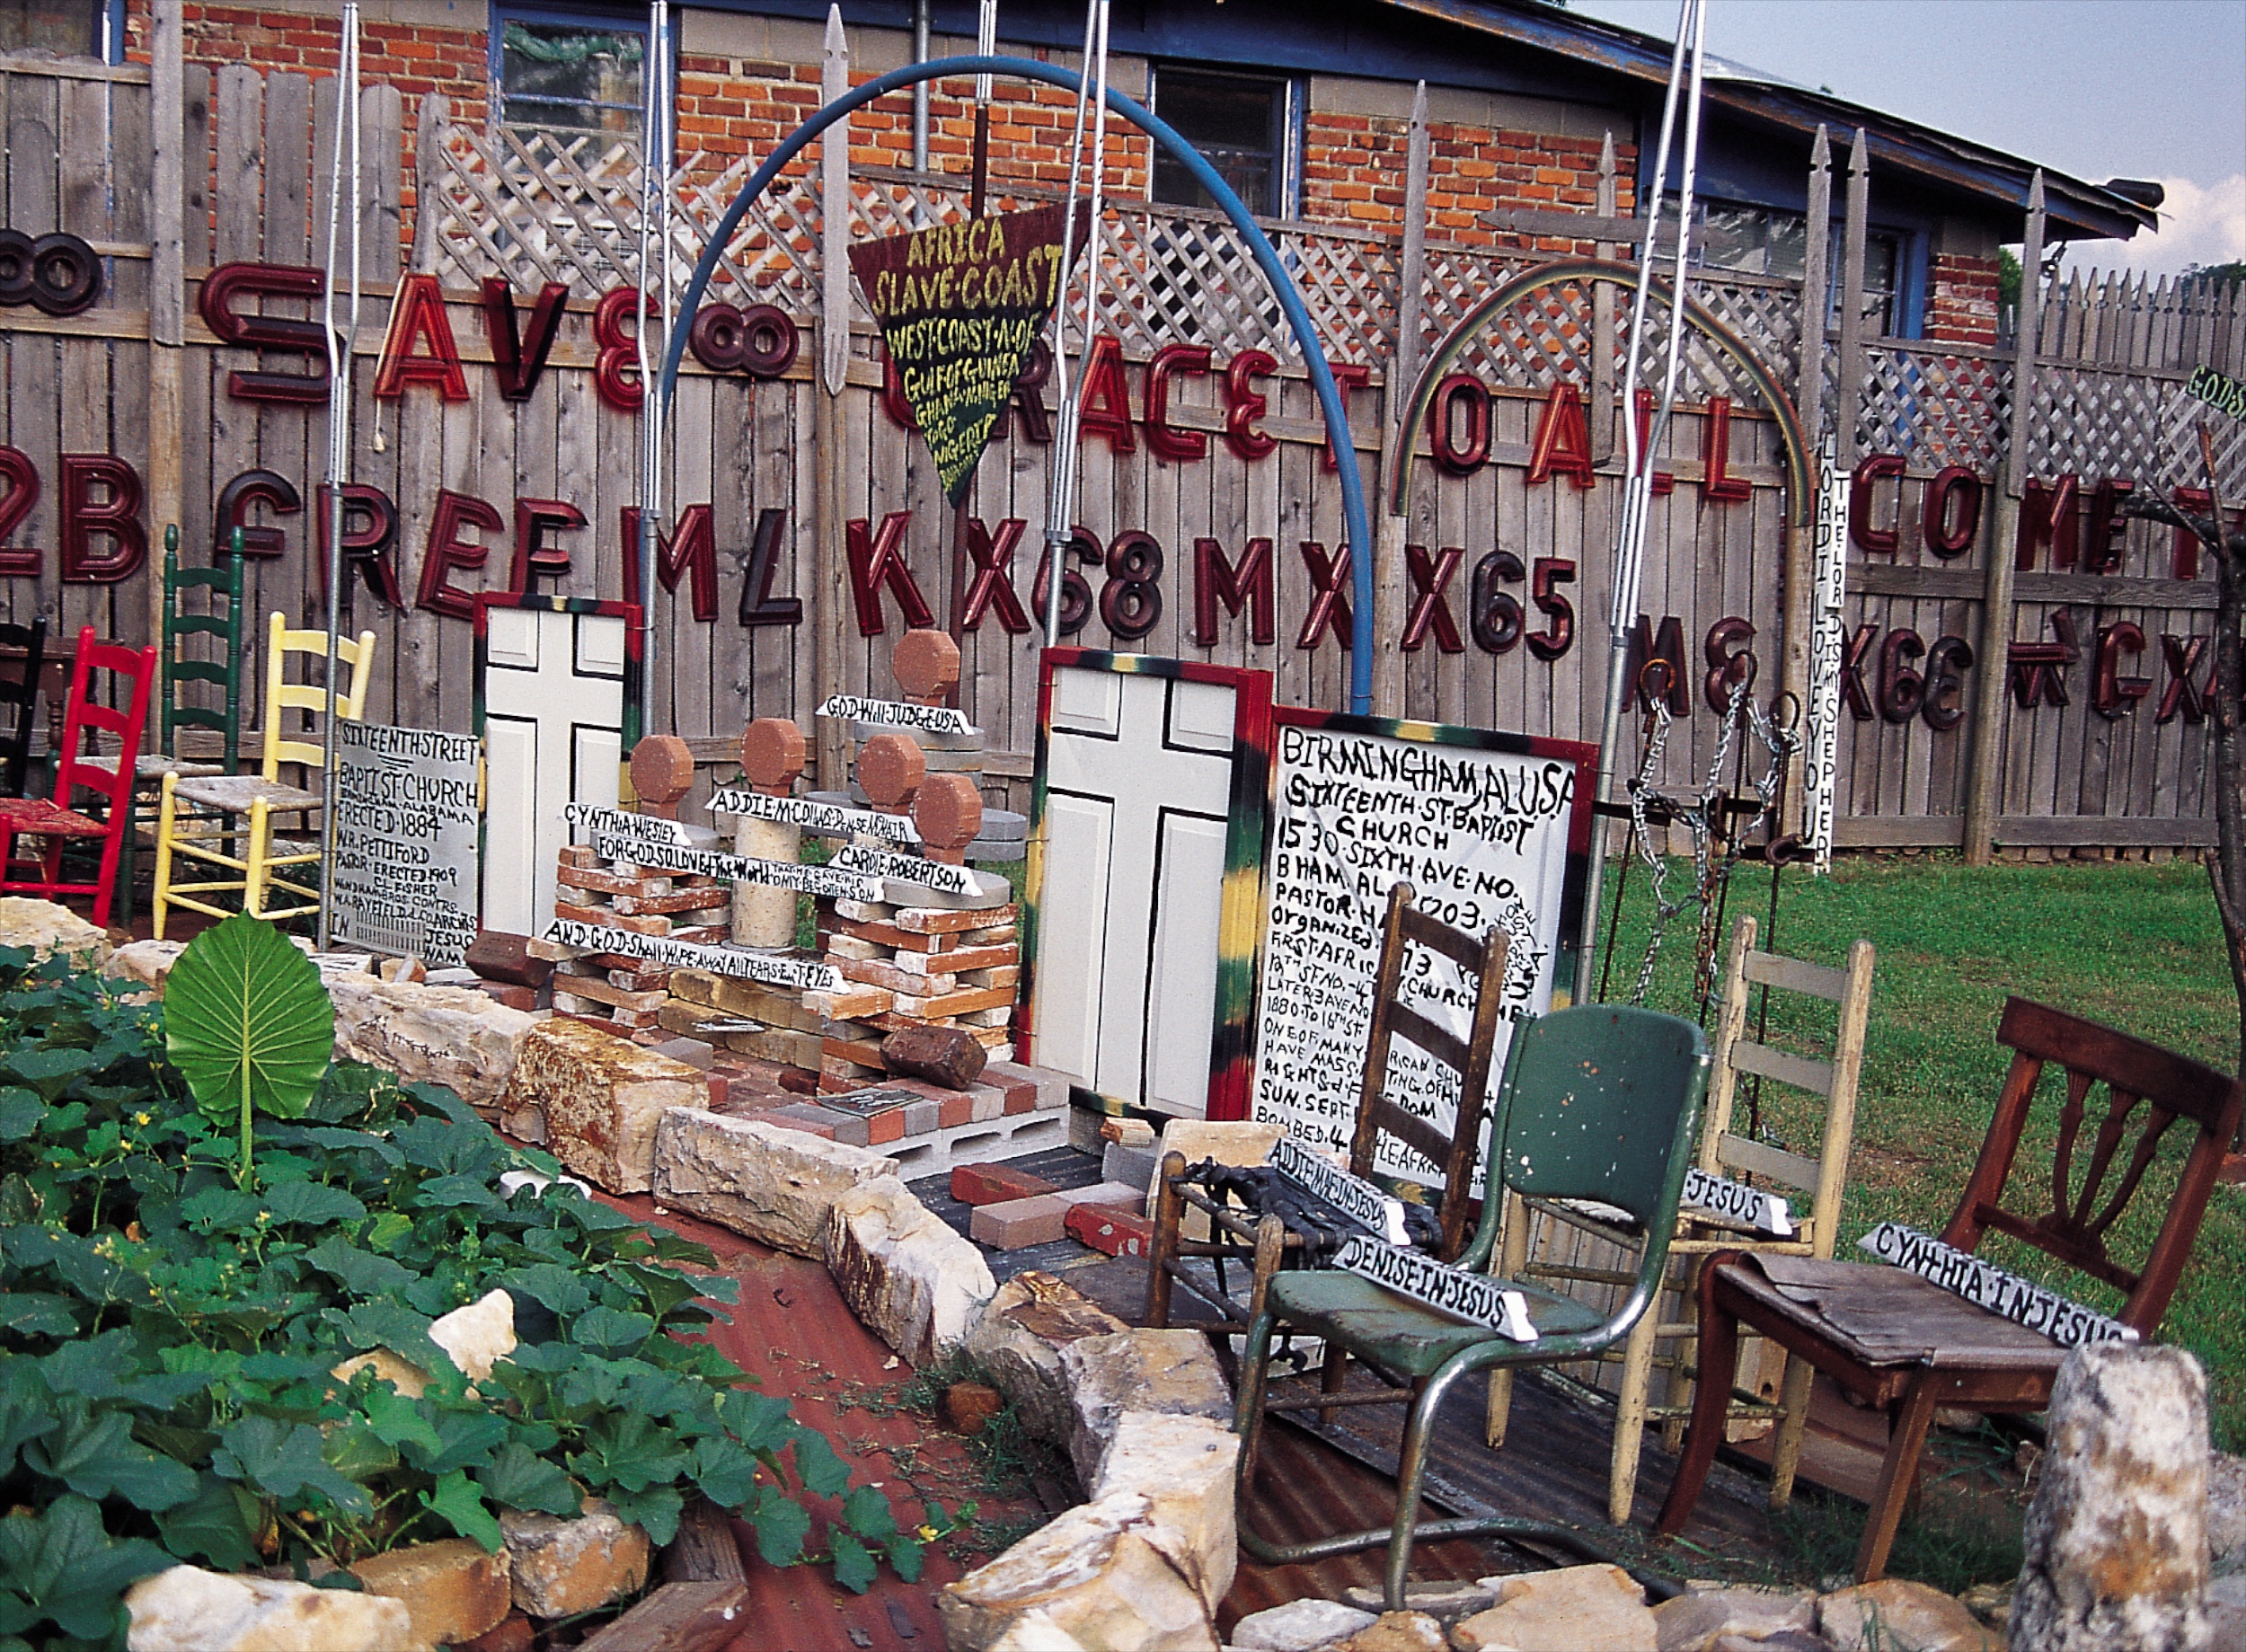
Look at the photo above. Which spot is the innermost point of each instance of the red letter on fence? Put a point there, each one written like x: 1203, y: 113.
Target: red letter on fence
x: 1248, y: 584
x: 878, y: 558
x: 420, y: 314
x: 694, y: 551
x: 2047, y: 517
x: 368, y: 547
x: 992, y: 555
x: 1717, y: 481
x: 515, y: 359
x: 1106, y: 410
x: 1243, y: 406
x: 534, y: 558
x: 1163, y: 438
x: 1328, y: 607
x: 18, y: 561
x: 1869, y: 472
x: 229, y: 281
x: 115, y: 518
x: 1563, y: 440
x: 447, y: 551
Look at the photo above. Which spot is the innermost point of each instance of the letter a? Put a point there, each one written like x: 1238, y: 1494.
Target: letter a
x: 420, y: 314
x: 1563, y: 439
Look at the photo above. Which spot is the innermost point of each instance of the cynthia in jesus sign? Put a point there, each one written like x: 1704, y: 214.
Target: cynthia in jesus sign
x: 960, y: 306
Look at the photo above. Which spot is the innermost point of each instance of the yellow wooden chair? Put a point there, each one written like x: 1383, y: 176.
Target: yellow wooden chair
x: 198, y: 815
x: 1602, y: 1253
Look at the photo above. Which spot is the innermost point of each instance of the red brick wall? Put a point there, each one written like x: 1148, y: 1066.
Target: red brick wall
x: 1961, y: 299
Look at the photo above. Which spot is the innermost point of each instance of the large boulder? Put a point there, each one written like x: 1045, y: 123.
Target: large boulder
x: 1183, y: 1466
x: 50, y: 930
x: 2115, y: 1540
x: 189, y: 1610
x: 601, y: 1098
x: 1701, y: 1619
x: 774, y: 1186
x: 143, y: 964
x: 454, y: 1035
x: 1896, y: 1613
x: 1019, y: 1338
x: 1595, y: 1608
x: 1170, y: 1371
x: 1103, y: 1572
x: 904, y: 1272
x: 1299, y: 1626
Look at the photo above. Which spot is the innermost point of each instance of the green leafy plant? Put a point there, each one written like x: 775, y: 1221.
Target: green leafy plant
x: 249, y: 1024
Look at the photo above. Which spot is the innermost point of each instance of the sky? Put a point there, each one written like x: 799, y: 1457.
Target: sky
x: 2097, y: 89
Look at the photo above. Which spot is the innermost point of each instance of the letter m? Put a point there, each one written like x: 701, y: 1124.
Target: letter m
x: 1247, y: 585
x: 692, y: 550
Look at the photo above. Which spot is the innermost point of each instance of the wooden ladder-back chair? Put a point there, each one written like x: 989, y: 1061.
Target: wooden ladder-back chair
x: 1901, y: 1341
x: 1598, y: 1102
x: 1733, y: 1157
x: 55, y: 821
x: 22, y: 693
x: 1263, y: 1244
x: 220, y: 673
x: 191, y: 821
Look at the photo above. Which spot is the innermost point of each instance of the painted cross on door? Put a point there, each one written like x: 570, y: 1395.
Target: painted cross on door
x: 558, y: 706
x: 1137, y: 814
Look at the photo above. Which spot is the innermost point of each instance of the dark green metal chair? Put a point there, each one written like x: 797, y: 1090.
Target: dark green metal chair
x: 222, y: 672
x: 1598, y: 1102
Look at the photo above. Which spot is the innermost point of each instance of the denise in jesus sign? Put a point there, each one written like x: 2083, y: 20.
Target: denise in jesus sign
x: 960, y: 306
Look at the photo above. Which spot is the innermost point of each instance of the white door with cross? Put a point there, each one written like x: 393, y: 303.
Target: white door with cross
x: 1138, y: 784
x: 553, y: 703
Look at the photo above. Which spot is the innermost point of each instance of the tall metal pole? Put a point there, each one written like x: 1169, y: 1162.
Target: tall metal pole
x: 1060, y: 509
x: 655, y: 235
x: 339, y: 427
x: 1638, y: 482
x: 920, y: 91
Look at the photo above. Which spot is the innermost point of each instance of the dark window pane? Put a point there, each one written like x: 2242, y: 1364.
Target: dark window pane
x: 572, y: 76
x: 1238, y: 125
x: 70, y: 27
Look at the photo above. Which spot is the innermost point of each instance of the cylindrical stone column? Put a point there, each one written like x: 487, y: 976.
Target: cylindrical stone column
x: 772, y: 756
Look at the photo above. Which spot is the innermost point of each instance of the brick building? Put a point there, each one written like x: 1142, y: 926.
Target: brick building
x: 1304, y: 104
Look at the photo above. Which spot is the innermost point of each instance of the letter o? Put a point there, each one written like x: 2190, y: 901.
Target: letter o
x: 770, y: 340
x: 1460, y: 461
x: 716, y: 337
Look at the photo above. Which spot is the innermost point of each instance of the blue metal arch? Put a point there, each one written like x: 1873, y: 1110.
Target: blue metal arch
x: 1356, y: 524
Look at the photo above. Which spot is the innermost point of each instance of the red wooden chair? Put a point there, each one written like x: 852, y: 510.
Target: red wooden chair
x: 55, y: 820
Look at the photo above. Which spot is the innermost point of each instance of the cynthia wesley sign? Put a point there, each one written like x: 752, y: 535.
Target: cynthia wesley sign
x: 960, y: 305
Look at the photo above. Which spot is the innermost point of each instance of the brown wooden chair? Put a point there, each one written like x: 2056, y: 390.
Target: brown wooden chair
x: 1904, y: 1343
x: 1262, y: 1244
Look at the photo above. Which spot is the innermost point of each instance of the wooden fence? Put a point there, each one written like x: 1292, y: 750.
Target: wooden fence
x: 2109, y: 402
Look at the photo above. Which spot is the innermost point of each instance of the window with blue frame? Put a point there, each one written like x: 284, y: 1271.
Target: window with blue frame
x: 1243, y: 124
x: 570, y: 69
x: 69, y: 28
x: 1766, y: 241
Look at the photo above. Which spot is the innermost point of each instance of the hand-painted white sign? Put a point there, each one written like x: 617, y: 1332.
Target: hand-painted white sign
x: 2219, y: 390
x: 1829, y: 633
x: 828, y: 819
x: 896, y: 714
x: 1763, y: 1212
x: 692, y: 955
x: 406, y: 823
x: 1482, y: 837
x: 2005, y: 1294
x: 1476, y: 1298
x: 1354, y: 1197
x: 624, y: 822
x: 820, y: 880
x: 907, y: 869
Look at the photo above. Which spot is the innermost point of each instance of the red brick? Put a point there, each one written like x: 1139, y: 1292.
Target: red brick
x: 995, y: 1184
x: 1014, y: 1223
x: 802, y: 1116
x: 1116, y: 1230
x: 957, y: 1107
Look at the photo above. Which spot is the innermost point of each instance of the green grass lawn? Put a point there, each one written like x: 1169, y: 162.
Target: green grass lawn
x: 2137, y: 947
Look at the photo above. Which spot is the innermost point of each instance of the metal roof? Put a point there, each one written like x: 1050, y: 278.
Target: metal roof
x: 2076, y: 209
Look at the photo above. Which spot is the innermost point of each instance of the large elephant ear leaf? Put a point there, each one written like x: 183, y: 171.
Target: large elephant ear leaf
x: 246, y: 1013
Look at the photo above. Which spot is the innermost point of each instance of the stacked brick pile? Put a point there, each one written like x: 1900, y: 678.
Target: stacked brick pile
x: 629, y: 993
x: 1014, y: 1210
x: 914, y: 967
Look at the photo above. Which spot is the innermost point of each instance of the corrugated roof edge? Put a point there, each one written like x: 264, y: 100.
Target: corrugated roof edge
x: 2076, y: 209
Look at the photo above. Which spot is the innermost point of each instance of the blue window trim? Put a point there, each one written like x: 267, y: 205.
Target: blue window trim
x: 621, y: 14
x: 1293, y: 124
x: 113, y: 32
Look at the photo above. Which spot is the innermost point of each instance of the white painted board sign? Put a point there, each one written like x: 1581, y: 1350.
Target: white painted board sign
x: 1487, y: 829
x: 1986, y: 1285
x: 404, y: 879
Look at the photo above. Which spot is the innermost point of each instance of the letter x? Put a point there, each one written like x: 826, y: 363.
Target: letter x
x: 1429, y: 606
x: 1328, y: 606
x: 2182, y: 654
x: 993, y: 556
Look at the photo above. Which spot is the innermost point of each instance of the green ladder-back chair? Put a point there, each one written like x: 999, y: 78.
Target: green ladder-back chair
x: 224, y: 582
x: 1601, y: 1101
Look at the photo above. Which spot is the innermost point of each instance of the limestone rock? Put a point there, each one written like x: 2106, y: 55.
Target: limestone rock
x: 1781, y: 1640
x: 1033, y: 1630
x: 1019, y: 1338
x: 915, y: 1282
x: 1397, y: 1631
x: 1592, y: 1608
x: 1227, y: 1141
x: 2116, y: 1541
x: 144, y: 963
x: 189, y: 1610
x: 1183, y: 1467
x: 49, y: 930
x: 601, y: 1096
x: 1446, y: 1601
x: 2226, y: 1611
x: 454, y: 1035
x: 453, y: 1590
x: 403, y: 1374
x: 1100, y: 1573
x: 775, y: 1186
x: 1299, y: 1626
x: 1697, y: 1622
x: 2226, y: 1511
x: 1137, y: 1371
x: 559, y: 1567
x: 478, y: 1335
x: 1892, y: 1614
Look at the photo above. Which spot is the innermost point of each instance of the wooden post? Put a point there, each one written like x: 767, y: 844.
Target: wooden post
x: 1985, y: 783
x: 1798, y: 571
x: 167, y: 286
x: 830, y: 506
x: 1853, y: 299
x: 1395, y: 448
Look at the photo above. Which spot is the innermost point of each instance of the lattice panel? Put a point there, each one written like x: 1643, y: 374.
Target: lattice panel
x: 1768, y: 316
x: 1934, y: 410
